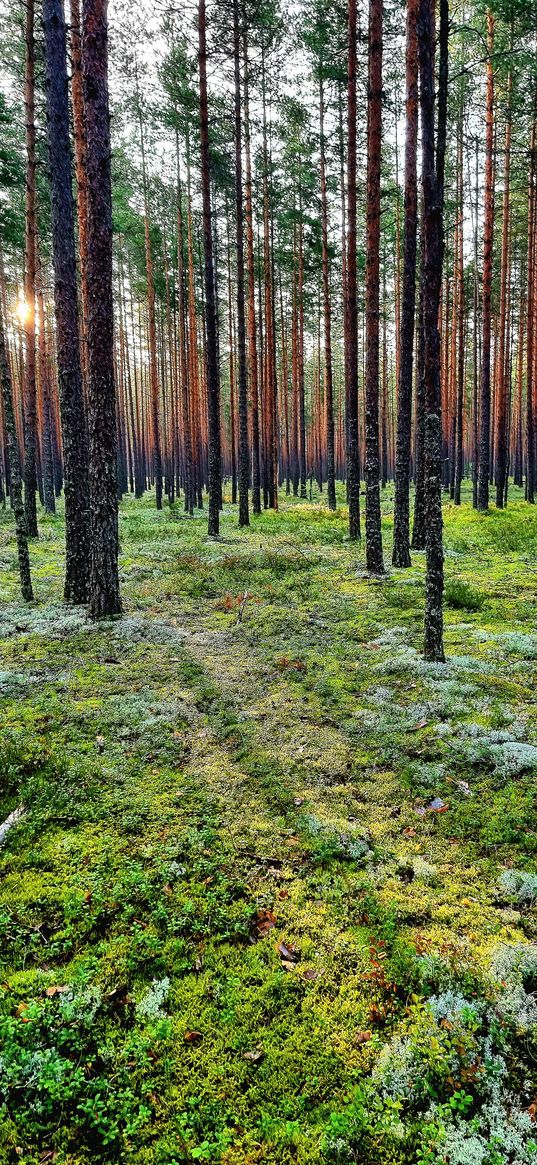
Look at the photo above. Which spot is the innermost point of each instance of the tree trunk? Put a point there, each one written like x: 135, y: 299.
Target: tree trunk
x: 252, y: 335
x: 44, y: 382
x: 458, y: 471
x: 104, y: 584
x: 30, y: 402
x: 351, y: 321
x: 502, y: 361
x: 401, y: 530
x: 530, y: 298
x: 80, y: 166
x: 244, y: 453
x: 488, y: 238
x: 433, y: 189
x: 328, y: 377
x: 373, y: 529
x: 73, y: 421
x: 15, y: 473
x: 213, y: 386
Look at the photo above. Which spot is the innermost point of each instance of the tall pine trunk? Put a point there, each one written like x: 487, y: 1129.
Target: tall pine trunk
x: 244, y: 453
x: 80, y: 166
x: 351, y: 321
x: 14, y: 468
x: 328, y: 372
x: 530, y: 299
x: 488, y: 237
x: 401, y: 530
x: 29, y: 398
x: 252, y: 334
x: 373, y: 530
x: 502, y: 362
x: 73, y: 420
x: 213, y: 385
x: 433, y: 198
x: 104, y: 582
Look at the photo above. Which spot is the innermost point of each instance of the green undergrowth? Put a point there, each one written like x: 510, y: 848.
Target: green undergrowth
x: 272, y: 895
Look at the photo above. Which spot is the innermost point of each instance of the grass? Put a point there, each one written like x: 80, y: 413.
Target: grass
x: 232, y: 929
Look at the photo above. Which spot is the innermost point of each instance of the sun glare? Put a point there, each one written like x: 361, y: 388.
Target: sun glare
x: 22, y: 309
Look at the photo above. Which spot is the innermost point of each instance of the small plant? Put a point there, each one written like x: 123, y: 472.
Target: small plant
x: 518, y: 886
x: 460, y: 596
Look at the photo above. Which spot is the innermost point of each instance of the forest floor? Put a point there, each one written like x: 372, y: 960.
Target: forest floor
x: 272, y: 895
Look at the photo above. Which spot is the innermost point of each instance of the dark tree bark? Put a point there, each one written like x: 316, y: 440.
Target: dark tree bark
x: 44, y: 382
x: 401, y: 531
x: 433, y: 190
x: 151, y: 319
x: 351, y: 321
x: 459, y: 259
x: 244, y: 453
x: 530, y: 297
x: 30, y: 402
x: 73, y: 422
x: 252, y: 335
x: 418, y: 528
x: 373, y: 529
x: 502, y: 363
x: 270, y: 383
x: 104, y: 583
x: 80, y: 165
x: 301, y: 386
x: 15, y: 471
x: 488, y: 238
x: 213, y: 386
x: 328, y: 377
x: 183, y: 361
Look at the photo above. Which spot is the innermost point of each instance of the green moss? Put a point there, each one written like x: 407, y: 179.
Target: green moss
x: 222, y: 917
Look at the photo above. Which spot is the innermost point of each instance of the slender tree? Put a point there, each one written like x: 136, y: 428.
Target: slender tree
x: 73, y: 421
x: 14, y: 469
x: 373, y: 530
x: 328, y: 370
x: 213, y: 385
x: 433, y: 195
x: 351, y: 320
x: 104, y: 582
x: 488, y: 238
x: 30, y: 403
x: 244, y: 453
x: 401, y: 533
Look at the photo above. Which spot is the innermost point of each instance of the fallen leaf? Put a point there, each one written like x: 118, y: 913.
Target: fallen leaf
x: 254, y: 1056
x: 362, y: 1037
x: 283, y: 894
x: 310, y: 974
x: 192, y: 1037
x: 51, y: 991
x: 288, y: 966
x: 287, y: 953
x: 416, y: 727
x: 409, y: 832
x: 265, y: 920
